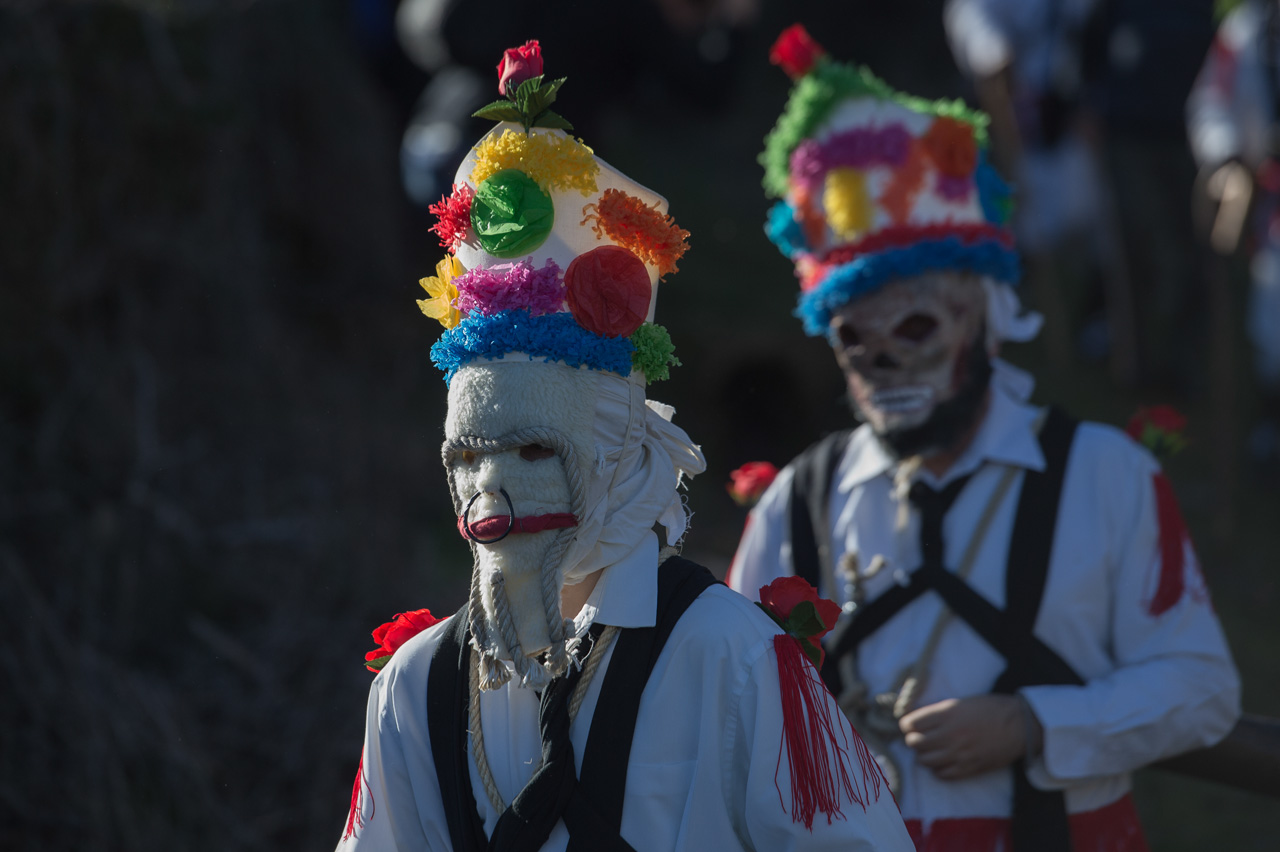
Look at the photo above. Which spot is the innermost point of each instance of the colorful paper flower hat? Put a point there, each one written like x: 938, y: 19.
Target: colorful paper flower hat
x: 877, y: 185
x: 554, y: 254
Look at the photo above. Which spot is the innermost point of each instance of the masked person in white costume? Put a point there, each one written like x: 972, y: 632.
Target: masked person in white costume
x: 1025, y: 623
x: 597, y: 691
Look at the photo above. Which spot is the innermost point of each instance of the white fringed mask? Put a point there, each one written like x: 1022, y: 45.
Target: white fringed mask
x: 555, y: 473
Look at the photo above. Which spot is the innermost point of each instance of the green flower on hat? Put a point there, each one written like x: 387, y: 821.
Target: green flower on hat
x: 511, y: 214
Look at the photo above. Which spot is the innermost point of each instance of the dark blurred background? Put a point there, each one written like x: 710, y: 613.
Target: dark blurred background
x: 220, y: 429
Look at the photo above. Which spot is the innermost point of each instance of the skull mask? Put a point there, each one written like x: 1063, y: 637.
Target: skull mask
x: 913, y: 351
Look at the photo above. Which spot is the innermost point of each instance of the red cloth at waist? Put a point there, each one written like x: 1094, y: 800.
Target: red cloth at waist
x: 1111, y: 828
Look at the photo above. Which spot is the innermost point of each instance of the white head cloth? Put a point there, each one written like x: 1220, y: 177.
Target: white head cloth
x: 640, y: 458
x: 1007, y: 320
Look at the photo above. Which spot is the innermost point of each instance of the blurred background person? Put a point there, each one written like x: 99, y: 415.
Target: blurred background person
x: 1233, y: 123
x: 1025, y: 61
x: 1138, y: 59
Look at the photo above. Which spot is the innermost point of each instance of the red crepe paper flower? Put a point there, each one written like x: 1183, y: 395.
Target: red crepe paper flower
x: 748, y: 482
x: 519, y: 64
x: 1159, y: 429
x: 950, y: 144
x: 795, y: 51
x: 392, y: 635
x: 454, y: 215
x: 796, y: 607
x: 608, y: 291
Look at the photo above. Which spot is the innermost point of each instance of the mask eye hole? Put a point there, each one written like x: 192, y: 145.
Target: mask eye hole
x: 916, y: 328
x: 536, y: 452
x: 847, y: 336
x: 468, y: 457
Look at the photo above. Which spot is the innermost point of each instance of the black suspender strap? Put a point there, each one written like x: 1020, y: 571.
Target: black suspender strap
x: 815, y: 469
x: 595, y: 814
x: 1034, y: 525
x: 447, y: 699
x: 1039, y: 816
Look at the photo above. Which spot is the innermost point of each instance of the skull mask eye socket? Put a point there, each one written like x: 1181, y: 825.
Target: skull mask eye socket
x: 916, y: 328
x: 846, y: 336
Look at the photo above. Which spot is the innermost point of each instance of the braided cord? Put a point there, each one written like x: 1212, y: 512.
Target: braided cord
x: 476, y: 730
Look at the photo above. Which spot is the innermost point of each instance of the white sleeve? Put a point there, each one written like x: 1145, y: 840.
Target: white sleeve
x: 764, y: 553
x: 758, y: 776
x: 979, y: 41
x: 388, y: 817
x: 1173, y: 686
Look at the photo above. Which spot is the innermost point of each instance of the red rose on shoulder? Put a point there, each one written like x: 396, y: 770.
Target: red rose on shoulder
x: 1159, y: 429
x: 797, y: 608
x: 795, y: 51
x: 519, y: 64
x: 750, y: 481
x: 390, y: 636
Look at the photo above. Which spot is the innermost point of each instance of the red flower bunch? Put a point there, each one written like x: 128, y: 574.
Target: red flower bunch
x: 454, y: 215
x: 1159, y: 429
x: 796, y: 607
x: 749, y: 482
x: 795, y: 51
x: 395, y: 633
x: 519, y: 64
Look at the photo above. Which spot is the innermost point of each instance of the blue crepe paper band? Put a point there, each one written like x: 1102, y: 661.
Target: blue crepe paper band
x: 784, y: 231
x: 550, y: 337
x: 995, y: 196
x: 868, y: 273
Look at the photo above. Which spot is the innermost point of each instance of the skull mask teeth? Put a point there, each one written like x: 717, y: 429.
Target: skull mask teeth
x: 903, y: 348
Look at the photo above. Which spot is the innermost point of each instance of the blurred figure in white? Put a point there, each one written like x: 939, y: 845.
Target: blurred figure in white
x: 1232, y: 125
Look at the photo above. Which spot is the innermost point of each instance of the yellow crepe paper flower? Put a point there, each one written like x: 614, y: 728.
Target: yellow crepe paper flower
x: 442, y: 292
x: 551, y: 160
x: 846, y: 203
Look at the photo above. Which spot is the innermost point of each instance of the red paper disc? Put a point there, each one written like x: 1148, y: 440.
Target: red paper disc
x: 608, y: 291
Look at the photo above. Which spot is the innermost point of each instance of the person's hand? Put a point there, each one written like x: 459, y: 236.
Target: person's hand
x: 961, y: 737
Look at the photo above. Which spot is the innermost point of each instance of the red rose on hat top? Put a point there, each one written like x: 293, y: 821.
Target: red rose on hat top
x: 795, y: 51
x: 750, y: 481
x: 519, y: 64
x: 395, y: 633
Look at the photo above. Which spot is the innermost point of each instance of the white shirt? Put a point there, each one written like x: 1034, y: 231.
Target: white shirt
x: 704, y: 771
x: 1155, y: 685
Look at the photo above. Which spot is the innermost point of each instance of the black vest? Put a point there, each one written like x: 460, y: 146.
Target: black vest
x: 594, y: 813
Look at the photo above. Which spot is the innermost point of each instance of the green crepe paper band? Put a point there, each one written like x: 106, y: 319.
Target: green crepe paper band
x: 817, y: 93
x: 654, y: 353
x: 511, y: 214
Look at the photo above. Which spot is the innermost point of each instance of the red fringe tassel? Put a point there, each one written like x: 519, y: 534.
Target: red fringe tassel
x: 1173, y: 534
x: 817, y: 760
x: 355, y: 819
